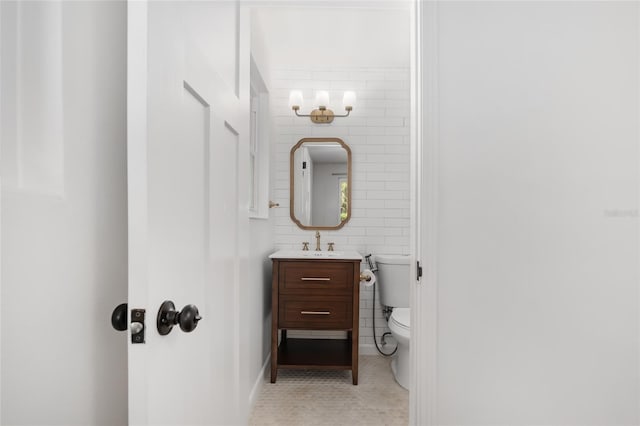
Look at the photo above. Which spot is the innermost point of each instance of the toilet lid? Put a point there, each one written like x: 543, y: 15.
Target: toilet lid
x: 402, y: 317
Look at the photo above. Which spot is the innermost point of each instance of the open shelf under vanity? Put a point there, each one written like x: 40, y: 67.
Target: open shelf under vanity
x: 320, y: 354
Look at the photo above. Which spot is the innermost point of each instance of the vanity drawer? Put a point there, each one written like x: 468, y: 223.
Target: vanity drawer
x: 316, y: 277
x: 315, y: 312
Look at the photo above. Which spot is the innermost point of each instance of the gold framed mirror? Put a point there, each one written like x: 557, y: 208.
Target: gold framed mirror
x: 320, y: 183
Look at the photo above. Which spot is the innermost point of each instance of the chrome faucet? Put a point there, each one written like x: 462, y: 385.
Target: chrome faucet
x: 318, y: 241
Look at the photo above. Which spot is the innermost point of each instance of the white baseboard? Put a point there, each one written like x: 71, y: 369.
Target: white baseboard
x: 257, y: 386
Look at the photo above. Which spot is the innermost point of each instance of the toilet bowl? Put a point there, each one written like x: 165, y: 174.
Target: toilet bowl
x: 393, y: 279
x: 399, y: 324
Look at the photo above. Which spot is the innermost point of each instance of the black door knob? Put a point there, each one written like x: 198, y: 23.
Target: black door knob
x: 119, y: 317
x: 168, y: 317
x: 188, y: 318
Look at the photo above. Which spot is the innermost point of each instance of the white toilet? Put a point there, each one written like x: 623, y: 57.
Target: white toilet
x: 393, y: 283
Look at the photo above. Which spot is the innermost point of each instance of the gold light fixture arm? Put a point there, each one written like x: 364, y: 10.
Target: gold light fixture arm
x: 348, y: 109
x: 322, y: 115
x: 295, y: 109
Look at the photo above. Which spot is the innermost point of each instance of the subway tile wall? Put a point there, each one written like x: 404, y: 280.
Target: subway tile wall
x: 377, y: 131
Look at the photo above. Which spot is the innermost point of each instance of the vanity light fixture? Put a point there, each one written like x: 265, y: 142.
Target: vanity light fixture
x: 321, y: 114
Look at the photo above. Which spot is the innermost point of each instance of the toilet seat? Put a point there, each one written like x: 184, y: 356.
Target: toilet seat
x: 400, y: 321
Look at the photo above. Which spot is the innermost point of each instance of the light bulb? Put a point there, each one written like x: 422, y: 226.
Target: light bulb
x: 295, y: 99
x: 322, y: 99
x: 349, y: 100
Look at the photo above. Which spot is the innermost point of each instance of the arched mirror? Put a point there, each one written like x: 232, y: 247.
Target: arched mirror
x: 320, y: 185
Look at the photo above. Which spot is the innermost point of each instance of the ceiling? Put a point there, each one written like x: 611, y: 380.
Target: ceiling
x: 351, y: 35
x: 330, y: 153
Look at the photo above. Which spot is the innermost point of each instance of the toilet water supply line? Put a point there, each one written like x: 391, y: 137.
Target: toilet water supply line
x: 373, y: 309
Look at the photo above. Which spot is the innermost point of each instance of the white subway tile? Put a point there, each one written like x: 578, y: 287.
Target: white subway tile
x: 397, y: 75
x: 386, y: 85
x: 392, y: 240
x: 309, y: 87
x: 353, y: 85
x: 388, y: 195
x: 362, y: 110
x: 398, y: 112
x: 397, y: 149
x: 367, y: 75
x: 367, y: 130
x: 397, y: 222
x: 386, y: 121
x: 288, y: 74
x: 293, y: 130
x: 369, y: 221
x: 377, y: 132
x: 330, y: 75
x: 397, y: 167
x: 350, y: 121
x: 370, y: 98
x: 388, y: 176
x: 375, y: 213
x: 384, y: 159
x: 395, y: 186
x: 358, y: 194
x: 397, y: 94
x: 396, y: 103
x: 372, y: 204
x: 385, y: 139
x: 283, y: 121
x: 391, y: 213
x: 396, y: 130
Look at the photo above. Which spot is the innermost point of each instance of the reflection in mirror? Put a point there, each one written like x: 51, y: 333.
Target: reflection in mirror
x: 320, y: 190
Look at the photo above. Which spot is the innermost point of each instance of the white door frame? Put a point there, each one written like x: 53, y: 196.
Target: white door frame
x: 137, y: 154
x: 424, y: 208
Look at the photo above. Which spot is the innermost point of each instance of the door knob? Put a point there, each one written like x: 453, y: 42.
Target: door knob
x: 168, y: 317
x: 119, y: 317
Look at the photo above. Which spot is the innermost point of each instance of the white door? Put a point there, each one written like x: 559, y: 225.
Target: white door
x: 183, y: 121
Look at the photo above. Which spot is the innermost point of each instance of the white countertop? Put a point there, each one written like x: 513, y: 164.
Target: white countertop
x: 300, y: 254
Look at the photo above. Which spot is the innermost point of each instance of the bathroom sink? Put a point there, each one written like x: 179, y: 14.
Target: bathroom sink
x: 302, y: 254
x: 322, y: 254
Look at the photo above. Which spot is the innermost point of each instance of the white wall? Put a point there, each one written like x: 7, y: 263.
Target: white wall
x: 538, y: 213
x: 378, y: 134
x: 258, y: 301
x: 259, y: 304
x: 64, y: 246
x: 349, y: 33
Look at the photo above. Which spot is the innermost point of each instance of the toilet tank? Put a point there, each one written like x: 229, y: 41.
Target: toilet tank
x: 393, y: 279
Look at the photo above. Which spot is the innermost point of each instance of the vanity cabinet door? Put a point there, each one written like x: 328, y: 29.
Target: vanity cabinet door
x: 315, y: 312
x: 316, y: 278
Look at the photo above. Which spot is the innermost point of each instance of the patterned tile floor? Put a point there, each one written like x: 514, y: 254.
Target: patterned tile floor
x: 307, y: 397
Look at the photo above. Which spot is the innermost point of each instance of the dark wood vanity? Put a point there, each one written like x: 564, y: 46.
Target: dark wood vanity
x: 315, y: 294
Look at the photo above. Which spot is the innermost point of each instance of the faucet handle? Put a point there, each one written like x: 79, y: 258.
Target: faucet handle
x: 305, y: 246
x: 330, y: 246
